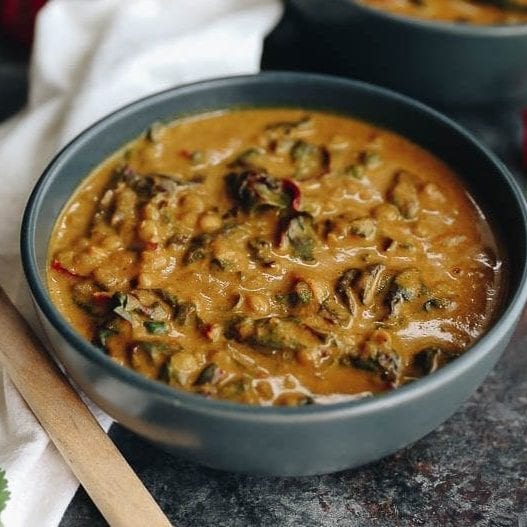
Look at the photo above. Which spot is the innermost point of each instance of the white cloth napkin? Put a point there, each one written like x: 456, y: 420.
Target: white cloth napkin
x: 90, y: 57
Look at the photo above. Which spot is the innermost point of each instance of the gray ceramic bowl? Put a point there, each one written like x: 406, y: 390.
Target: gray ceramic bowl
x: 285, y: 441
x: 447, y: 64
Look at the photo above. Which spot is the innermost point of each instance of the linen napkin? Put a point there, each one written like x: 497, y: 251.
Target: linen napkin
x: 90, y: 57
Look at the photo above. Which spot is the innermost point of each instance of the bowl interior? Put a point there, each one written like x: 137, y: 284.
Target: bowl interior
x: 487, y: 179
x: 442, y: 25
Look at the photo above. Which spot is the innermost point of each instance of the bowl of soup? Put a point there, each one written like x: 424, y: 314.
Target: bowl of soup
x: 285, y: 273
x: 449, y: 53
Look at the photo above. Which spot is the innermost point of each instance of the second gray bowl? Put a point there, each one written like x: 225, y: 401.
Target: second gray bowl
x: 447, y: 64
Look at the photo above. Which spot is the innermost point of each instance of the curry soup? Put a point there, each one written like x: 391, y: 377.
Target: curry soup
x: 466, y: 11
x: 275, y: 256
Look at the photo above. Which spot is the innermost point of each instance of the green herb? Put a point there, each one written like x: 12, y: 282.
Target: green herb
x: 430, y: 359
x: 260, y: 250
x: 4, y: 490
x: 269, y: 334
x: 301, y: 294
x: 125, y: 306
x: 206, y: 375
x: 356, y: 361
x: 404, y: 195
x: 354, y: 171
x: 363, y: 227
x: 345, y: 289
x: 168, y: 297
x: 248, y: 158
x: 223, y: 265
x: 198, y: 249
x: 83, y: 294
x: 233, y: 389
x: 310, y: 160
x: 370, y: 159
x: 146, y: 186
x: 405, y: 287
x: 186, y: 313
x: 298, y: 231
x: 158, y: 347
x: 104, y: 334
x: 255, y: 189
x: 386, y: 363
x: 156, y: 327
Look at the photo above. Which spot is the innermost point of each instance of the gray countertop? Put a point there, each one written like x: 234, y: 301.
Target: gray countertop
x: 471, y: 471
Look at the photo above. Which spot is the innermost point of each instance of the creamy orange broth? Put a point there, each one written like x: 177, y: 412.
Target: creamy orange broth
x: 275, y: 256
x: 469, y: 11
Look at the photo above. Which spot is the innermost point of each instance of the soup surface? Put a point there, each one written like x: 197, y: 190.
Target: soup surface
x: 467, y: 11
x: 275, y: 256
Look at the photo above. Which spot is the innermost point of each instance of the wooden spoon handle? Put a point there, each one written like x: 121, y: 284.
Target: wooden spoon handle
x: 103, y: 472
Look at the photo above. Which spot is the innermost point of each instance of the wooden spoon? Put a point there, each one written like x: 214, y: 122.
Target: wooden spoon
x: 99, y: 466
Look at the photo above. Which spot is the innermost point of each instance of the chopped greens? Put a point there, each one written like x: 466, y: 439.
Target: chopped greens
x: 364, y: 228
x: 298, y: 233
x: 376, y: 355
x: 430, y: 359
x: 404, y: 195
x: 254, y: 190
x: 270, y: 334
x: 406, y: 286
x: 310, y: 160
x: 207, y: 374
x: 155, y: 327
x: 197, y: 249
x: 345, y: 289
x: 261, y: 251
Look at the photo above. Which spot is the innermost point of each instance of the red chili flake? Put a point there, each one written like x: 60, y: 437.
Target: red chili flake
x: 186, y: 154
x: 294, y: 191
x: 57, y: 266
x: 102, y: 297
x: 524, y: 122
x: 150, y: 246
x: 212, y: 332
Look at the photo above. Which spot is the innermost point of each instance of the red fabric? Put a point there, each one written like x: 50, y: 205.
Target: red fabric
x: 17, y: 18
x: 8, y: 12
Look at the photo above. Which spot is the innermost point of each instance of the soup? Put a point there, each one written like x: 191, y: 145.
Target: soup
x: 275, y: 256
x: 465, y: 11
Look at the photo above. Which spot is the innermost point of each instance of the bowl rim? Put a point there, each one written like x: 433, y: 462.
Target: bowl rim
x: 442, y: 26
x: 197, y: 403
